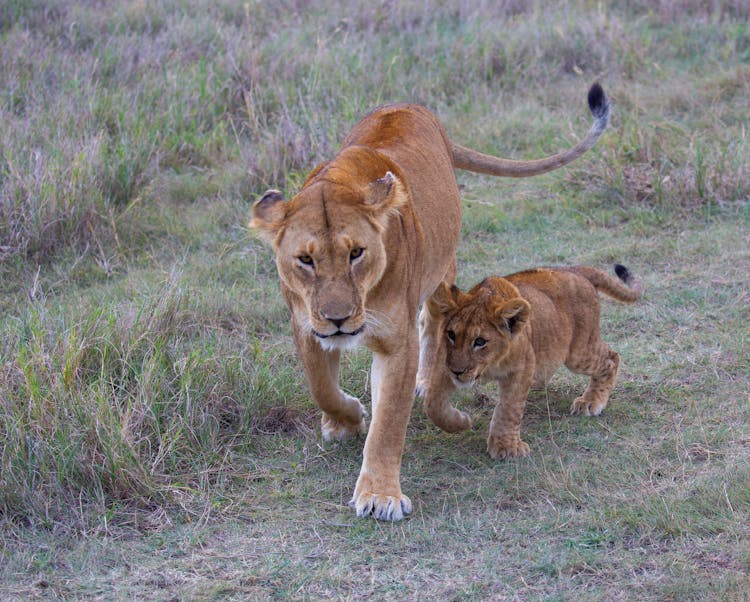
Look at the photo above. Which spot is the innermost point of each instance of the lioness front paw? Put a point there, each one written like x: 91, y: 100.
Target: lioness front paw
x: 501, y: 448
x: 383, y: 507
x: 587, y: 407
x: 336, y: 430
x: 387, y: 504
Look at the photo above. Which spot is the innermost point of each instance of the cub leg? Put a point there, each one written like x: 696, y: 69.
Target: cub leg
x: 504, y: 440
x: 343, y: 415
x: 437, y: 399
x: 602, y: 368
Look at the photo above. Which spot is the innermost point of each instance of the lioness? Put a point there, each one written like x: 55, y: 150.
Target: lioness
x: 366, y: 240
x: 519, y: 330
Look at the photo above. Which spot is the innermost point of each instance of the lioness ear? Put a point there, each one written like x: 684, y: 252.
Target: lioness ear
x: 385, y: 193
x: 268, y: 214
x: 314, y: 173
x: 442, y: 300
x: 512, y: 315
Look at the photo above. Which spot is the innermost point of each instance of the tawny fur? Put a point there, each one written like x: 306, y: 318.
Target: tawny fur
x: 370, y: 236
x: 519, y: 330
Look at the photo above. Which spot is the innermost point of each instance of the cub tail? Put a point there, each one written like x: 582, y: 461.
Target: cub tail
x: 628, y: 289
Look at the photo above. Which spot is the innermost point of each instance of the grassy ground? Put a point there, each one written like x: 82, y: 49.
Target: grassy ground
x: 157, y: 438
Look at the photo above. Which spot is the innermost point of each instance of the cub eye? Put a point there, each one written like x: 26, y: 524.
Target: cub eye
x: 479, y: 342
x: 451, y: 336
x: 305, y: 259
x: 355, y: 253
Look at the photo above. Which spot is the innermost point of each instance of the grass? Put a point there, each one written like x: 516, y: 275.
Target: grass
x: 157, y: 437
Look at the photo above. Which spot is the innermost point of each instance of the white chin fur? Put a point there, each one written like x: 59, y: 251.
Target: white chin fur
x: 341, y: 342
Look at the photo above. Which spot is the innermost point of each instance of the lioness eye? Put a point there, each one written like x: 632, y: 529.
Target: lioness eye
x: 305, y: 259
x: 479, y: 342
x: 356, y: 252
x: 451, y: 336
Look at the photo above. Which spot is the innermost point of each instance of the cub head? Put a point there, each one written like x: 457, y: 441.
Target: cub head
x: 329, y: 246
x: 479, y: 327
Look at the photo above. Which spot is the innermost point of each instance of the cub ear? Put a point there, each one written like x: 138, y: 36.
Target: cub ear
x: 512, y: 315
x: 268, y: 214
x: 385, y: 193
x: 443, y: 300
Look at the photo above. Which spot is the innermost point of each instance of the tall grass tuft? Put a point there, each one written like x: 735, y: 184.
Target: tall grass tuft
x: 124, y: 408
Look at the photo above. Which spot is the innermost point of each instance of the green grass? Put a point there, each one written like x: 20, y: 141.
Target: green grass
x: 158, y: 441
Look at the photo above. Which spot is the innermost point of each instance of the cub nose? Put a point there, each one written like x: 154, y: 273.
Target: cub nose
x: 458, y: 372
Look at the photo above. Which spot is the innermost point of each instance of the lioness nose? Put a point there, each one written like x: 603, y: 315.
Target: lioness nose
x: 337, y: 314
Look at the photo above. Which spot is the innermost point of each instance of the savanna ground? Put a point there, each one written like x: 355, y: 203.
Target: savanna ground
x: 156, y: 438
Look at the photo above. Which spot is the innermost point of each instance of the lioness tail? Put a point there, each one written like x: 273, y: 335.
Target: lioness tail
x: 466, y: 158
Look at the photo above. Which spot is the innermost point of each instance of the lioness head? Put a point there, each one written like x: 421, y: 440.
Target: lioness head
x: 329, y: 246
x: 478, y: 326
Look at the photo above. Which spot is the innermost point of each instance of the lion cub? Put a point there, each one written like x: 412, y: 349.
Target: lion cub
x: 519, y: 330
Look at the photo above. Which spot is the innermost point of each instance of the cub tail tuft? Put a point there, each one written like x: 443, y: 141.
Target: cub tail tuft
x: 633, y: 282
x: 622, y: 272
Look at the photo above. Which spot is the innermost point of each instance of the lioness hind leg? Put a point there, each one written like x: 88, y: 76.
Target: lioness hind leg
x: 602, y: 368
x: 429, y: 327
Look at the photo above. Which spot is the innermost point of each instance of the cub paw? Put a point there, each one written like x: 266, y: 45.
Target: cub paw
x: 452, y: 421
x: 382, y: 507
x: 501, y: 448
x: 337, y: 430
x: 586, y: 407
